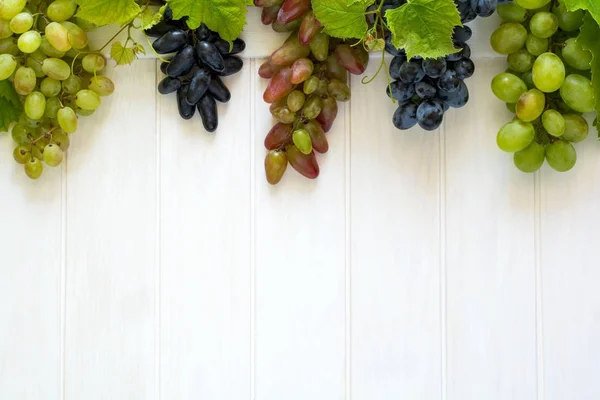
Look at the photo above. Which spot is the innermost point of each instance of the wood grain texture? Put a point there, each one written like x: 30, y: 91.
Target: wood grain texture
x: 111, y: 237
x: 395, y: 251
x: 205, y: 250
x: 490, y: 256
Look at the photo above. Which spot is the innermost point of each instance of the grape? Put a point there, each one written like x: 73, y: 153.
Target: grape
x: 317, y: 136
x: 430, y: 114
x: 339, y: 90
x: 208, y: 53
x: 302, y: 141
x: 405, y: 116
x: 457, y: 98
x: 511, y: 12
x: 554, y: 123
x: 335, y: 70
x: 309, y: 27
x: 52, y: 106
x: 233, y: 65
x: 172, y: 41
x: 395, y: 65
x: 302, y: 69
x: 401, y: 91
x: 449, y: 81
x: 67, y: 119
x: 218, y: 90
x: 20, y: 134
x: 508, y: 87
x: 35, y: 105
x: 425, y: 90
x: 465, y: 68
x: 279, y: 136
x: 77, y: 36
x: 548, y: 72
x: 291, y: 10
x: 568, y: 21
x: 531, y: 158
x: 535, y: 45
x: 72, y: 84
x: 56, y: 68
x: 578, y: 93
x: 462, y: 33
x: 576, y: 56
x: 520, y: 61
x: 87, y: 100
x: 561, y: 155
x: 21, y: 154
x: 25, y: 81
x: 21, y: 23
x: 532, y: 4
x: 543, y: 24
x: 411, y: 72
x: 515, y: 136
x: 295, y: 100
x: 328, y: 113
x: 531, y: 105
x: 279, y: 87
x: 508, y: 38
x: 61, y: 10
x: 310, y: 85
x: 305, y: 164
x: 350, y: 58
x: 289, y: 52
x: 61, y: 139
x: 93, y: 63
x: 5, y: 31
x: 10, y: 8
x: 102, y: 85
x: 183, y: 62
x: 8, y: 47
x: 49, y: 50
x: 576, y: 128
x: 483, y: 8
x: 275, y: 166
x: 53, y: 155
x: 58, y: 36
x: 284, y: 114
x: 319, y: 46
x: 8, y: 64
x: 34, y: 168
x: 29, y: 41
x: 312, y: 107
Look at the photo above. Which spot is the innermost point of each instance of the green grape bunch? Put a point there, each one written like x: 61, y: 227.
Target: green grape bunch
x: 44, y: 54
x: 547, y: 84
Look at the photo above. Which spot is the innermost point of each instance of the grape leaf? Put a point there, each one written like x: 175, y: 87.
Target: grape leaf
x: 593, y: 6
x: 424, y: 27
x: 106, y: 12
x: 121, y: 54
x: 10, y: 106
x: 149, y: 17
x: 226, y: 17
x: 343, y: 19
x: 589, y: 38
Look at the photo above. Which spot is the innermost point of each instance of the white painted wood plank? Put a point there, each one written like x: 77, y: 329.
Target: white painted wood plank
x: 570, y: 271
x: 205, y: 250
x: 31, y: 243
x: 489, y: 254
x: 300, y: 271
x: 111, y: 240
x: 395, y: 251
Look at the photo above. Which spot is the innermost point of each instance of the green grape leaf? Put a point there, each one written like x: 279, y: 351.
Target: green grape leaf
x: 10, y: 105
x: 226, y: 17
x: 149, y: 18
x: 424, y: 27
x: 344, y: 19
x: 106, y: 12
x: 589, y: 38
x: 121, y: 54
x: 593, y: 6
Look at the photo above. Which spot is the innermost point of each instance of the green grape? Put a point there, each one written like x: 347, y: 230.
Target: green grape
x: 339, y: 90
x: 21, y: 154
x: 61, y: 10
x: 35, y: 105
x: 61, y: 139
x: 312, y: 107
x: 508, y: 38
x: 56, y: 68
x: 527, y: 77
x: 275, y: 166
x: 10, y: 8
x: 554, y: 123
x: 520, y: 61
x: 75, y: 53
x: 532, y: 4
x: 512, y: 107
x: 21, y: 23
x: 8, y: 64
x: 535, y: 45
x: 72, y: 84
x: 578, y: 93
x: 284, y: 115
x: 77, y: 36
x: 515, y: 136
x: 37, y: 153
x: 83, y: 24
x: 58, y: 36
x: 511, y: 12
x: 302, y: 141
x: 52, y: 106
x: 8, y: 46
x: 35, y: 61
x: 561, y: 155
x: 576, y: 128
x: 67, y: 120
x: 531, y: 105
x: 25, y: 81
x: 93, y: 63
x: 568, y: 21
x: 508, y: 87
x: 50, y: 50
x: 29, y: 42
x: 20, y: 134
x: 5, y: 31
x: 531, y: 158
x: 310, y: 85
x: 84, y: 113
x: 576, y: 56
x: 87, y: 100
x: 53, y: 155
x: 41, y: 143
x: 102, y: 85
x: 548, y: 72
x: 50, y: 87
x: 34, y: 168
x: 543, y: 24
x: 295, y: 100
x: 28, y: 123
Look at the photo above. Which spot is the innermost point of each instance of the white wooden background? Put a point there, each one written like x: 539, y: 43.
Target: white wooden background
x: 159, y: 264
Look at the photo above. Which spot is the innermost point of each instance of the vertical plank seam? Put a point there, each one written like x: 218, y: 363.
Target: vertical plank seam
x: 443, y: 270
x: 158, y: 254
x: 252, y: 231
x: 539, y: 331
x: 63, y: 285
x: 348, y: 255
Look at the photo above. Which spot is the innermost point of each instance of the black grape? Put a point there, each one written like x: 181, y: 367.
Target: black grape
x: 185, y: 110
x: 395, y: 66
x: 411, y: 71
x: 170, y: 42
x: 462, y: 34
x: 465, y: 68
x: 182, y: 63
x: 425, y: 90
x: 449, y: 81
x: 405, y: 116
x: 434, y: 67
x: 401, y: 91
x: 207, y: 107
x: 218, y: 90
x: 208, y: 53
x: 169, y: 85
x: 233, y: 65
x: 430, y: 114
x: 484, y: 8
x: 457, y: 98
x: 198, y: 86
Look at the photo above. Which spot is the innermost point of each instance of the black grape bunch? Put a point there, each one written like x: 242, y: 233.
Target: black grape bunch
x: 427, y: 88
x: 201, y: 58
